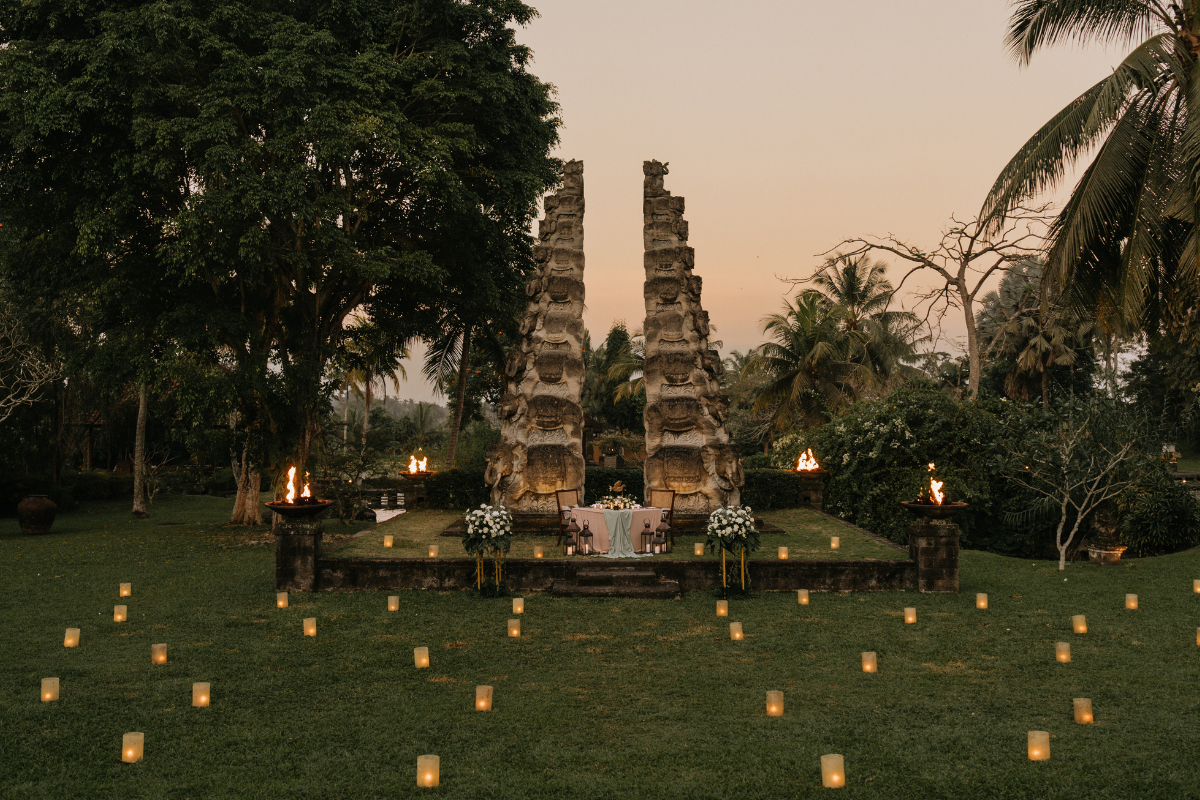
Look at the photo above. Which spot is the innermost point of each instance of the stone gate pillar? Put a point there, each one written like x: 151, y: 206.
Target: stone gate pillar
x: 933, y: 544
x: 297, y: 548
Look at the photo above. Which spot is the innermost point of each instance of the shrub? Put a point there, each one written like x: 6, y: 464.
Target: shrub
x: 456, y: 489
x: 597, y: 480
x: 1158, y: 515
x: 771, y: 488
x: 757, y: 461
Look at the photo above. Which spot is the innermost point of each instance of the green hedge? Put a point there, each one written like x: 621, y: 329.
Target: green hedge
x: 771, y: 488
x: 456, y: 489
x: 597, y: 480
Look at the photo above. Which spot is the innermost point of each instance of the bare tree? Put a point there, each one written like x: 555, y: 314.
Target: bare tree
x: 967, y: 257
x: 24, y: 372
x: 139, y: 455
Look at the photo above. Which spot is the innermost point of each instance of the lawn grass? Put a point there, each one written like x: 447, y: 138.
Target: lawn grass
x: 806, y: 535
x: 598, y: 699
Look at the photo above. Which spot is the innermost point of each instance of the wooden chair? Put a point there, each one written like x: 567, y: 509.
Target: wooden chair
x: 567, y: 498
x: 665, y: 499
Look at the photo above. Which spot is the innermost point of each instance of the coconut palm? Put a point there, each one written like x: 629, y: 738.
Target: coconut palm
x: 1127, y: 235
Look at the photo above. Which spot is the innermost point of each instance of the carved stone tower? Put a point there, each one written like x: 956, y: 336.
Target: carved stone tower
x: 687, y: 444
x: 541, y: 420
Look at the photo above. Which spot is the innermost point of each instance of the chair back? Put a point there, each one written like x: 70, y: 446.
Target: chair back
x: 663, y: 498
x: 567, y: 497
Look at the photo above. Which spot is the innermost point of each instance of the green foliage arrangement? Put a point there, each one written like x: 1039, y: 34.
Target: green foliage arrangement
x: 1158, y: 515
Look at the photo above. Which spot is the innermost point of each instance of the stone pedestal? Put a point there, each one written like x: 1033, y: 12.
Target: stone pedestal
x: 812, y: 492
x: 297, y: 548
x: 933, y: 544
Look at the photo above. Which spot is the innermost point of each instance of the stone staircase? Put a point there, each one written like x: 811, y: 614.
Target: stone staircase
x: 616, y: 580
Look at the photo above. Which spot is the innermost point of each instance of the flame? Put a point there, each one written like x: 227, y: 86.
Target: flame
x: 807, y: 461
x: 291, y: 494
x: 931, y: 466
x: 415, y: 466
x: 935, y: 491
x: 306, y: 492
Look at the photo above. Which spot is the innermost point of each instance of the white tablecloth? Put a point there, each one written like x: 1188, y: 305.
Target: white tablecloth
x: 599, y: 529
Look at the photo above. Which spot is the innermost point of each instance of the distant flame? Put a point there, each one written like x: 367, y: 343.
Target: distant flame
x: 807, y: 461
x: 306, y: 492
x: 415, y: 466
x: 931, y: 466
x: 935, y: 487
x: 291, y: 493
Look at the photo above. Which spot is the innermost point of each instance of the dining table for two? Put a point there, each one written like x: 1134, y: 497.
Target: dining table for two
x: 614, y: 530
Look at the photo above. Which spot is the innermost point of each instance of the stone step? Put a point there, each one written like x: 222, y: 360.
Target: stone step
x: 621, y: 576
x: 659, y: 590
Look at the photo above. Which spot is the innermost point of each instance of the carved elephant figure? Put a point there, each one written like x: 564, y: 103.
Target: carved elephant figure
x: 503, y: 460
x: 511, y: 407
x: 724, y: 464
x: 654, y: 172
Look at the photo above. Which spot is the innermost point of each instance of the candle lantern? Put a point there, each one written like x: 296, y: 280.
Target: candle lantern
x: 1079, y: 623
x: 834, y: 543
x: 281, y: 599
x: 1083, y: 711
x: 659, y: 542
x: 664, y: 531
x: 394, y: 602
x: 132, y: 745
x: 1062, y: 652
x: 120, y: 613
x: 869, y: 663
x: 910, y: 616
x: 735, y: 631
x: 310, y: 626
x: 427, y: 771
x: 584, y: 545
x: 1039, y: 746
x: 774, y: 704
x: 49, y: 690
x: 483, y: 698
x: 1131, y: 602
x: 1198, y: 637
x: 722, y: 608
x: 514, y: 628
x: 698, y: 548
x: 158, y: 654
x: 833, y: 771
x: 1196, y: 586
x: 981, y: 600
x: 201, y: 694
x: 421, y: 657
x: 802, y: 597
x: 539, y: 551
x: 126, y: 589
x: 518, y: 605
x: 783, y: 553
x: 647, y: 538
x: 72, y: 638
x: 388, y: 540
x: 433, y: 551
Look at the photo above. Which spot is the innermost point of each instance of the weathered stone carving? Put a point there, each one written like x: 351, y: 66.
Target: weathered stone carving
x: 687, y: 444
x: 541, y: 420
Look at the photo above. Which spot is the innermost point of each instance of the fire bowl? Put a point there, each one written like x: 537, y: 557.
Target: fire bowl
x: 933, y: 510
x: 417, y: 476
x: 299, y: 510
x: 811, y: 473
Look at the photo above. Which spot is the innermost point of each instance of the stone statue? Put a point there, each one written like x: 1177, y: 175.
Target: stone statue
x: 541, y: 419
x: 687, y: 443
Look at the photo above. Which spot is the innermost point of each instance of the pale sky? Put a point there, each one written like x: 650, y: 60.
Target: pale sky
x: 788, y: 126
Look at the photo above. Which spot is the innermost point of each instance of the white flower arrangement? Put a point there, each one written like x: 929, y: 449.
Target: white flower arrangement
x: 733, y: 529
x: 488, y: 528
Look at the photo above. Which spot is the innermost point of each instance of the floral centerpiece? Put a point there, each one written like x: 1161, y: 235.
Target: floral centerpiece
x: 618, y: 502
x: 488, y: 530
x: 734, y: 531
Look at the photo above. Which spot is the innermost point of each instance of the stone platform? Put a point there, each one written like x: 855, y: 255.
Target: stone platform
x: 547, y: 525
x: 616, y: 580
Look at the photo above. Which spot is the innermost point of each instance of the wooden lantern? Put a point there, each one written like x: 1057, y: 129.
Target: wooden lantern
x: 833, y: 771
x: 1083, y: 711
x: 1131, y: 602
x: 483, y: 698
x: 421, y: 657
x: 72, y: 638
x: 310, y: 626
x: 722, y: 608
x: 698, y: 549
x: 802, y: 597
x: 980, y: 600
x: 869, y: 662
x: 126, y: 589
x: 539, y: 551
x: 1062, y: 652
x: 783, y: 553
x: 1079, y: 623
x: 910, y: 616
x: 735, y: 631
x: 132, y: 745
x: 201, y: 694
x: 433, y: 551
x: 120, y: 613
x: 158, y: 654
x: 388, y: 540
x: 49, y: 690
x: 281, y: 599
x: 514, y: 628
x: 834, y: 543
x: 774, y: 704
x: 518, y: 605
x: 394, y: 602
x: 1039, y: 746
x: 427, y: 771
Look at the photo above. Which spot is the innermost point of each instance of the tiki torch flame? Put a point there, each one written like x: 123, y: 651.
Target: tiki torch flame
x: 935, y: 488
x: 807, y: 461
x: 415, y: 466
x: 291, y: 493
x: 306, y: 492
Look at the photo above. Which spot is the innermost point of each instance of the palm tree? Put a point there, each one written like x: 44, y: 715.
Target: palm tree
x: 1127, y: 235
x: 627, y: 366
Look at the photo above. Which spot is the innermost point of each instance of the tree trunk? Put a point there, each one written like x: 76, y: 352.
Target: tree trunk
x: 460, y: 397
x: 1046, y: 386
x: 139, y: 456
x: 311, y: 428
x: 974, y: 361
x: 346, y: 414
x: 245, y: 506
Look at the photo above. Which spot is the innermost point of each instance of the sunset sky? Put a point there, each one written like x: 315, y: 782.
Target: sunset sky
x: 788, y: 126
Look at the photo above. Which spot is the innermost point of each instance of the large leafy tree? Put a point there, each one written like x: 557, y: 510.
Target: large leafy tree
x: 1127, y: 237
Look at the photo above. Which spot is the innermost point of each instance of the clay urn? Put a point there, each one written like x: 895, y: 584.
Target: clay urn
x: 36, y: 514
